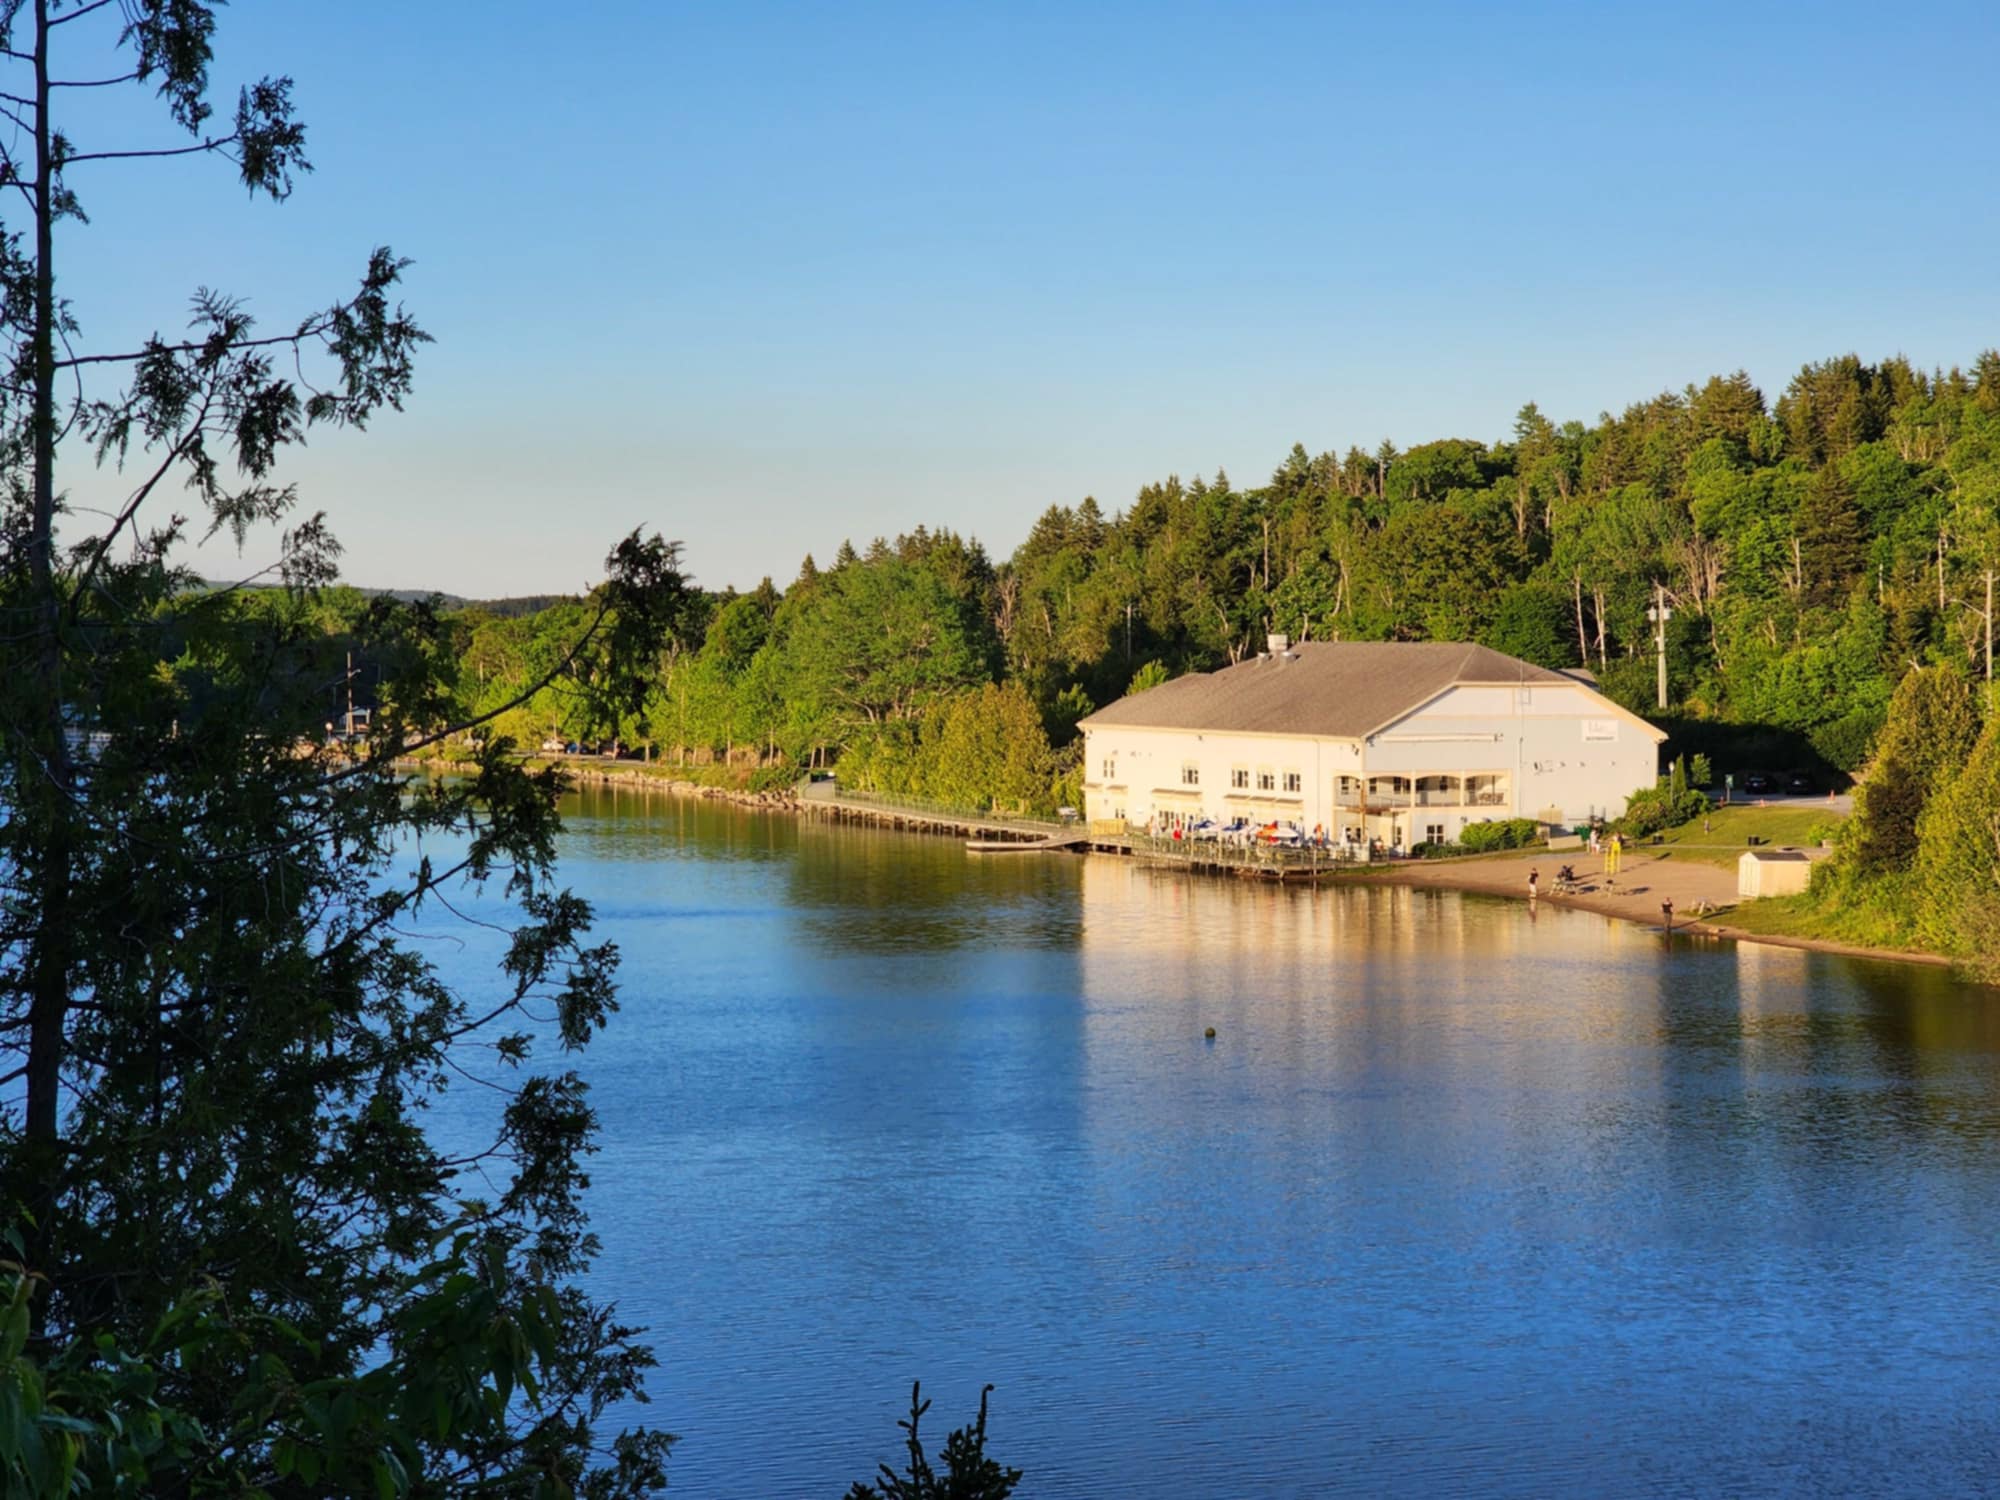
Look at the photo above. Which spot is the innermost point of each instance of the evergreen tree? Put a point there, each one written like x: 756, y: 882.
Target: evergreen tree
x: 1931, y: 727
x: 237, y: 1230
x: 1832, y: 540
x: 1958, y: 860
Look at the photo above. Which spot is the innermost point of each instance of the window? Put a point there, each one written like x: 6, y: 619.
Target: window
x: 1239, y: 777
x: 1110, y: 768
x: 1434, y: 833
x: 1190, y: 773
x: 1266, y: 781
x: 1293, y: 782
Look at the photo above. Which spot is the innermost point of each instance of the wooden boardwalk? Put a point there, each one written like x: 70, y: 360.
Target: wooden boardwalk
x: 985, y: 834
x: 1072, y: 839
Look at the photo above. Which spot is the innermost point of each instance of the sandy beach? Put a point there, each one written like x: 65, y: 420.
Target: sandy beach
x: 1643, y: 882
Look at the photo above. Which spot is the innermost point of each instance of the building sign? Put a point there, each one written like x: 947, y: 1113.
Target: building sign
x: 1600, y: 729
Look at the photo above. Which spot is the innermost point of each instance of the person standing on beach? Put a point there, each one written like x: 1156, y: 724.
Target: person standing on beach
x: 1534, y: 883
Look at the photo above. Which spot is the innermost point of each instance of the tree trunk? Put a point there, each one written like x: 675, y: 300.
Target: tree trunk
x: 1582, y: 640
x: 50, y: 938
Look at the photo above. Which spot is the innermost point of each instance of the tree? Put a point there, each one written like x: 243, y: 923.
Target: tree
x: 968, y: 1473
x: 986, y: 749
x: 1931, y: 727
x: 1532, y: 622
x: 1958, y: 860
x: 1833, y: 543
x: 221, y: 1046
x: 874, y: 642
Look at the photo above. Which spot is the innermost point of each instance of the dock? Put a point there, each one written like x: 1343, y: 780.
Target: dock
x: 1071, y: 839
x: 988, y: 832
x: 991, y: 833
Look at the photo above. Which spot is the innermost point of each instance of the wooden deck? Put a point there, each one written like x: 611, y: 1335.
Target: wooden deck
x: 983, y: 833
x: 986, y: 834
x: 1073, y: 839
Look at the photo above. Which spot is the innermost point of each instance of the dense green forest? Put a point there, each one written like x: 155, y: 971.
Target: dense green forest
x: 1812, y: 551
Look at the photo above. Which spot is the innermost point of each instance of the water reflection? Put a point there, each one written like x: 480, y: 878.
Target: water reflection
x: 1456, y: 1202
x: 871, y: 890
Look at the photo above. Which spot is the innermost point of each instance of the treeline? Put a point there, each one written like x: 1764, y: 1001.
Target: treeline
x: 1919, y: 863
x: 1811, y: 551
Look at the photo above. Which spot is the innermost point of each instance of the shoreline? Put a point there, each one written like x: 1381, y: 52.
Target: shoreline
x: 1688, y: 883
x: 1692, y: 881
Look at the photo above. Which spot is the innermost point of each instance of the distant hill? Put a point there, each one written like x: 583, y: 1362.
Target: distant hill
x: 506, y: 609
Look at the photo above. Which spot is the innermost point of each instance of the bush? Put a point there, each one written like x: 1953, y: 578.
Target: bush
x: 1510, y: 833
x: 1660, y: 807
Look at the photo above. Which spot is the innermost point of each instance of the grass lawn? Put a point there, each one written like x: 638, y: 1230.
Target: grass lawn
x: 1731, y: 828
x: 1882, y: 921
x: 1782, y: 916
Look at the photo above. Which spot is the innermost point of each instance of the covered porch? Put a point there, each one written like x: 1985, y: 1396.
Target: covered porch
x: 1399, y: 811
x: 1442, y: 789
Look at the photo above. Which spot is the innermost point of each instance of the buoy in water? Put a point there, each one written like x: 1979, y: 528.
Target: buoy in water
x: 1210, y: 1033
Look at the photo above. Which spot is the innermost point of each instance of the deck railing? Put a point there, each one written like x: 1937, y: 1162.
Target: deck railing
x: 1393, y: 801
x: 927, y: 808
x: 1245, y: 854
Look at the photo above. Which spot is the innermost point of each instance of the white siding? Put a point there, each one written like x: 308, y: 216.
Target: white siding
x: 1559, y: 748
x: 1148, y: 764
x: 1552, y: 738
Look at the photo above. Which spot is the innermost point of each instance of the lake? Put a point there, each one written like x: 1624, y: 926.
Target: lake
x: 1460, y: 1200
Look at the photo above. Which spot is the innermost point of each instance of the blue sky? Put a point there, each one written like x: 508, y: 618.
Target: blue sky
x: 764, y: 277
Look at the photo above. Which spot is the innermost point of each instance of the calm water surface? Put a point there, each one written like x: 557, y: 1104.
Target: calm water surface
x: 1459, y: 1201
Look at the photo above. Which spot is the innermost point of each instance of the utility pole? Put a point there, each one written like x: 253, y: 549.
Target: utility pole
x: 1659, y: 614
x: 1989, y: 624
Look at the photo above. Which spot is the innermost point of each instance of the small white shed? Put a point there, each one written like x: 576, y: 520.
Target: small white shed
x: 1771, y: 872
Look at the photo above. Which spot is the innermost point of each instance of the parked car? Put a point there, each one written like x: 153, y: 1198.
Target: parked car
x: 1799, y: 784
x: 1758, y: 784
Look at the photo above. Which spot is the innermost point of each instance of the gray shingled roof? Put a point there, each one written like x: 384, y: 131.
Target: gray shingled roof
x: 1338, y: 689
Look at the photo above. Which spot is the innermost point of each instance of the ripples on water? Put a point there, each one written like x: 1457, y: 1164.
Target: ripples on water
x: 1458, y: 1202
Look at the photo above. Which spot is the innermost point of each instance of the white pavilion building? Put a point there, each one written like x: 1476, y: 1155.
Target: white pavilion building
x: 1397, y: 742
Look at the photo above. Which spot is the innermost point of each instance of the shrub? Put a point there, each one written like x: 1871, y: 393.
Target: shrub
x: 1659, y: 807
x: 1509, y: 833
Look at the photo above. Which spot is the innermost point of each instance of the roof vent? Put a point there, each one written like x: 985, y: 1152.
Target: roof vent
x: 1277, y: 645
